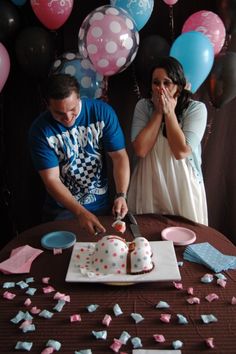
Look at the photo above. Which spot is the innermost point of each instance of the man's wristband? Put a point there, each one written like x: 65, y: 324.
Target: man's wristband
x: 121, y: 194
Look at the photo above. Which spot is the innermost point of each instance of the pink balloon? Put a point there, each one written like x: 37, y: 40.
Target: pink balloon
x: 170, y: 2
x: 4, y: 66
x: 209, y: 24
x: 52, y: 13
x: 110, y: 40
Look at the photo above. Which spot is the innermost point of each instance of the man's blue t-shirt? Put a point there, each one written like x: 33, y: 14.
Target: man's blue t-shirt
x: 79, y: 150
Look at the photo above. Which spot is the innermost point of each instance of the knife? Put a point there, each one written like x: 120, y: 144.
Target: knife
x: 133, y: 225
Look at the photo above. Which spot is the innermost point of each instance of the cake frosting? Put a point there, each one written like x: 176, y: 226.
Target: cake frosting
x: 113, y: 255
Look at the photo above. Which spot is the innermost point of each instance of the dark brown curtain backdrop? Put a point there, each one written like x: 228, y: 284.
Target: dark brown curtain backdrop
x: 22, y: 192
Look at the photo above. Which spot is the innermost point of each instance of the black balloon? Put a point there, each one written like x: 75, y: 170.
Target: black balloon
x: 150, y: 50
x: 222, y: 79
x: 34, y: 51
x: 9, y: 20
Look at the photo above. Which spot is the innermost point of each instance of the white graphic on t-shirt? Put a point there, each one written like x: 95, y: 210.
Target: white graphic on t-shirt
x: 80, y: 159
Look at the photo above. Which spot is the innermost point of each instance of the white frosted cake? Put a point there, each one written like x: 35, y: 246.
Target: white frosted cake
x: 113, y: 255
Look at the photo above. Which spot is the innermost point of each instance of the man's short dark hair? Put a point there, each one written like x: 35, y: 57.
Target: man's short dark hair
x: 60, y: 86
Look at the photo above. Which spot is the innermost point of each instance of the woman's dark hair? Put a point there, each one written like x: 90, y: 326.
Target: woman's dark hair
x: 60, y: 86
x: 175, y: 72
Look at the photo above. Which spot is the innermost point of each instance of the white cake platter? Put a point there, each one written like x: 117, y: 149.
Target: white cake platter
x: 164, y: 259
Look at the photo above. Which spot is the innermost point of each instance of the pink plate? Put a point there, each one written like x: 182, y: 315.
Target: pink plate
x: 179, y: 235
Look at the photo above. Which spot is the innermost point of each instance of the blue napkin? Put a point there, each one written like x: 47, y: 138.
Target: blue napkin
x: 204, y: 253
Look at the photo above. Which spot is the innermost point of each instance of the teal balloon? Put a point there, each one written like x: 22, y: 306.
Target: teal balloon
x: 18, y: 2
x: 139, y: 11
x: 196, y: 54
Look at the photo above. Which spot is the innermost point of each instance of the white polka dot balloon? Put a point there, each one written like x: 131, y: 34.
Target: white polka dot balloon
x: 91, y: 82
x: 109, y: 38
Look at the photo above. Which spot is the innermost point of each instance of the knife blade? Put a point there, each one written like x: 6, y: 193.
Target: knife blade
x: 134, y: 225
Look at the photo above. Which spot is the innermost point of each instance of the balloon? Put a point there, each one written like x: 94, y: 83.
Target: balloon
x: 34, y: 51
x: 139, y: 11
x: 109, y: 38
x: 222, y: 79
x: 18, y: 2
x: 4, y: 66
x: 9, y: 20
x: 52, y: 14
x: 195, y: 52
x: 91, y: 83
x: 170, y: 2
x: 208, y: 23
x: 150, y: 50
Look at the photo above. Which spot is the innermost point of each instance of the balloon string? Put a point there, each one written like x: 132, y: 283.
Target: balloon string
x: 171, y: 23
x: 104, y: 95
x: 208, y: 132
x: 136, y: 86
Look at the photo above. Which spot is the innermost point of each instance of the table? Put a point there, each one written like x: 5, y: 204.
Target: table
x: 139, y: 298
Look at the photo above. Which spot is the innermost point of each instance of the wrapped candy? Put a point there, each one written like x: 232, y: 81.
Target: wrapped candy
x: 211, y: 297
x: 159, y: 338
x: 117, y: 310
x: 54, y: 344
x: 137, y: 317
x: 106, y: 320
x: 208, y: 318
x: 207, y: 278
x: 209, y: 342
x: 162, y: 305
x: 193, y: 300
x: 124, y: 337
x: 165, y: 317
x: 100, y: 334
x: 46, y: 314
x: 177, y: 344
x: 92, y: 307
x: 182, y: 319
x: 116, y: 345
x: 136, y: 341
x: 24, y: 346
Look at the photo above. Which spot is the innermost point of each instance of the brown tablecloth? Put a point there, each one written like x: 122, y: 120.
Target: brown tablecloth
x: 138, y: 298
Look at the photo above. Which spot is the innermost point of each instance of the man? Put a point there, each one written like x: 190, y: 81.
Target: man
x: 68, y: 144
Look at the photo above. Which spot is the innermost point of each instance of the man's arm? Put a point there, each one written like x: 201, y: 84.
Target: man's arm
x: 121, y: 174
x: 54, y: 186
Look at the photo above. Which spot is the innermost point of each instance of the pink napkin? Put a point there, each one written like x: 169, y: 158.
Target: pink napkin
x: 20, y: 260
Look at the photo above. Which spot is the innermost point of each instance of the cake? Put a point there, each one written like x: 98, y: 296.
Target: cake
x: 119, y: 226
x: 113, y: 255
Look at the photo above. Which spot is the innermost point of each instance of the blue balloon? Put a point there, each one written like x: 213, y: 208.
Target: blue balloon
x: 139, y: 11
x: 91, y: 82
x: 18, y: 2
x: 196, y: 54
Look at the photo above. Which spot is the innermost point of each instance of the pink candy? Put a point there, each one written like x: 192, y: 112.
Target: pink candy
x: 45, y: 280
x: 190, y: 291
x: 193, y: 300
x: 75, y: 317
x: 212, y: 297
x: 221, y: 282
x: 27, y: 302
x: 48, y: 289
x: 209, y: 342
x: 178, y: 286
x: 106, y: 320
x: 165, y: 317
x: 159, y: 338
x: 9, y: 296
x: 116, y: 345
x: 233, y: 300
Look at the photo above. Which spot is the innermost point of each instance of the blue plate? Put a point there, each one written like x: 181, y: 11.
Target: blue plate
x: 58, y: 239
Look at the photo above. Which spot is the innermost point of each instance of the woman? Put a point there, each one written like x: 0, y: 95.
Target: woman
x: 167, y: 130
